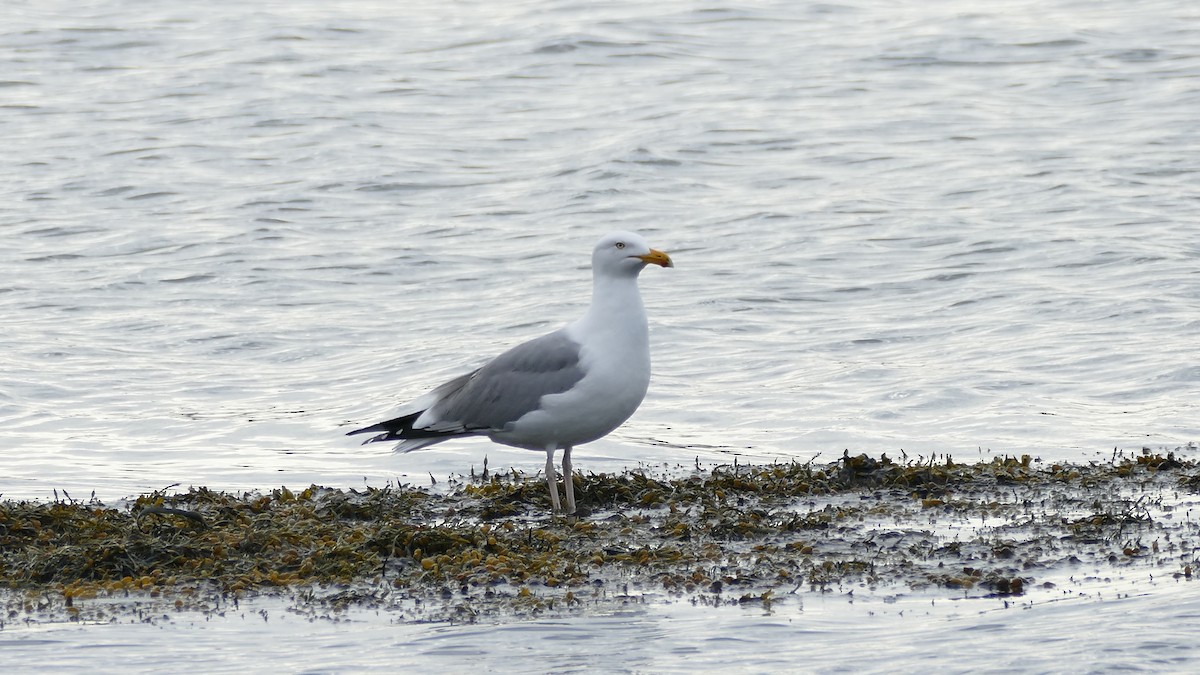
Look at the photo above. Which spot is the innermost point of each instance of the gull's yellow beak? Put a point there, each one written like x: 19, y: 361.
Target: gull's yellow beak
x: 656, y: 257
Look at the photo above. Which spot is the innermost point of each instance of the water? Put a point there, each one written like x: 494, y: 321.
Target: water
x: 230, y: 231
x: 1145, y: 628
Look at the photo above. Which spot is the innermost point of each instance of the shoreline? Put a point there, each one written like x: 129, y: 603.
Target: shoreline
x: 489, y: 549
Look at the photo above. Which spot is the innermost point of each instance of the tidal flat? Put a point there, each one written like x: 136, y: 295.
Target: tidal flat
x: 484, y: 547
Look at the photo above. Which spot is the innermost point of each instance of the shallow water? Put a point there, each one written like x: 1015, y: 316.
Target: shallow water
x: 1093, y: 625
x: 230, y: 232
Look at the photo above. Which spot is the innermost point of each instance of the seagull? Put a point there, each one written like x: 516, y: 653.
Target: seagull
x: 564, y: 389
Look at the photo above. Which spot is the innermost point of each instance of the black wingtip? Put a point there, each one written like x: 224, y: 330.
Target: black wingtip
x: 401, y: 429
x: 390, y: 430
x: 366, y: 430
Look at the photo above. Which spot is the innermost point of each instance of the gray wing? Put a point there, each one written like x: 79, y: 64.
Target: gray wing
x: 511, y: 385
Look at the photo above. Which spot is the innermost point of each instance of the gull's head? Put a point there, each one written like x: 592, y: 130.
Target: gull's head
x: 625, y: 253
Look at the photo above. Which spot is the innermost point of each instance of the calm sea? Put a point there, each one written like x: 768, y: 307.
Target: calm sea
x: 228, y: 230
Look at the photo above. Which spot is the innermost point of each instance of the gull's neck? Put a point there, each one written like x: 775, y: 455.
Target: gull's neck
x: 616, y: 306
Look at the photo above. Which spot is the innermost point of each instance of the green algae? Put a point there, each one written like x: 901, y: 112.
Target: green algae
x: 731, y: 534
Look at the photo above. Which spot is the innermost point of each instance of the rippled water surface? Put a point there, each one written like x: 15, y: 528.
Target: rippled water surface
x: 228, y: 230
x: 1108, y: 627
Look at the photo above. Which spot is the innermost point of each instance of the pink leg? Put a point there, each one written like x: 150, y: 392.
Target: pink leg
x: 552, y: 479
x: 568, y: 480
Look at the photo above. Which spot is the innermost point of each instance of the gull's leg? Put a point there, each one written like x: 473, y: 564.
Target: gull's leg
x: 552, y: 478
x: 568, y: 480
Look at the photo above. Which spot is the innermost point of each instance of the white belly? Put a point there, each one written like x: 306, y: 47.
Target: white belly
x: 599, y: 403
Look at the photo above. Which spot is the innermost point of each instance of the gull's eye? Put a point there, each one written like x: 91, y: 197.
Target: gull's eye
x: 620, y: 245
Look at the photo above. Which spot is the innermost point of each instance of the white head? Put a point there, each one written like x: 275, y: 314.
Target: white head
x: 625, y: 254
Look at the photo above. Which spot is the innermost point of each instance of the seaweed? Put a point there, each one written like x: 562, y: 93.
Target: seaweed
x: 733, y: 534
